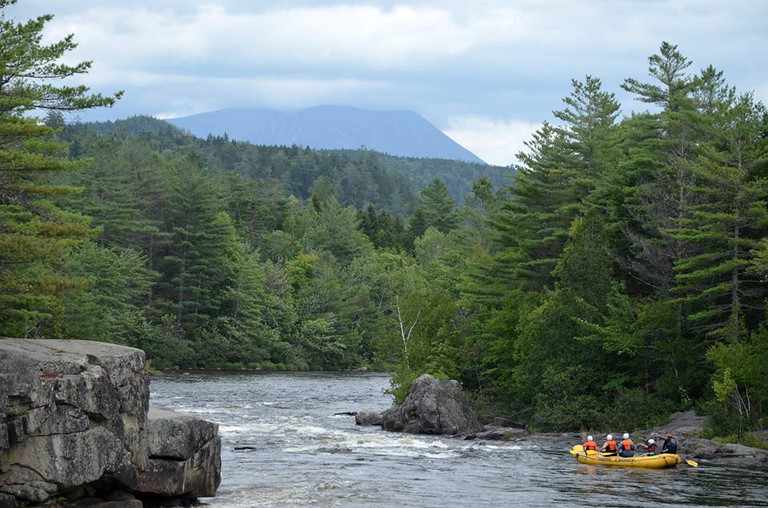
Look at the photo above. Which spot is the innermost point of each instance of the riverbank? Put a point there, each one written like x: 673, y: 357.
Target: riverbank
x: 686, y: 426
x: 435, y: 406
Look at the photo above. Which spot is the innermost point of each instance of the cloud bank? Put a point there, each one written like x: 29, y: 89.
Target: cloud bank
x: 487, y: 72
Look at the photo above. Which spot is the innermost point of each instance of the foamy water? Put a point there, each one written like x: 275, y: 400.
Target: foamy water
x: 284, y: 445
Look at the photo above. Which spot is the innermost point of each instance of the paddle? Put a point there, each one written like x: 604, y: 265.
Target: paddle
x: 691, y: 463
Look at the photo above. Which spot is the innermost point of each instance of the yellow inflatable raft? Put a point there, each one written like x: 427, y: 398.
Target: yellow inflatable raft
x: 660, y: 461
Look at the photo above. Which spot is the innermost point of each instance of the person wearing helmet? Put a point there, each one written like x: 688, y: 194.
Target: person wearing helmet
x: 610, y: 446
x: 670, y: 444
x: 626, y: 447
x: 649, y: 445
x: 590, y: 444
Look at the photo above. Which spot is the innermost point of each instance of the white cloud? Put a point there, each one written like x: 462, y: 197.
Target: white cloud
x: 477, y: 61
x: 495, y: 141
x: 365, y: 35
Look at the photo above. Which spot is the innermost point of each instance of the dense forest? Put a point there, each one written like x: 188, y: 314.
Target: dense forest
x: 362, y: 176
x: 617, y: 275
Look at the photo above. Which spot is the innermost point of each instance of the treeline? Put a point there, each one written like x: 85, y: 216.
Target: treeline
x: 362, y: 176
x: 619, y: 276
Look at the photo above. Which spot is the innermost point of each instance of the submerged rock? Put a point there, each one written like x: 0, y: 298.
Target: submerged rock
x: 368, y: 417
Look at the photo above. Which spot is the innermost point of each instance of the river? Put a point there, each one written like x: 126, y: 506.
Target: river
x: 284, y: 445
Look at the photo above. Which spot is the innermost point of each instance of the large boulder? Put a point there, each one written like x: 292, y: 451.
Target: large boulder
x: 432, y: 406
x: 75, y: 415
x: 74, y: 423
x: 184, y: 456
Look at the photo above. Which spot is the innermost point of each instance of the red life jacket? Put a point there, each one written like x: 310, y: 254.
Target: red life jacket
x: 610, y: 446
x: 627, y: 445
x: 590, y: 445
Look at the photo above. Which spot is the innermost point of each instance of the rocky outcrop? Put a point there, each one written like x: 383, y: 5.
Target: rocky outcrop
x: 184, y: 457
x: 432, y: 406
x: 724, y: 453
x: 74, y: 423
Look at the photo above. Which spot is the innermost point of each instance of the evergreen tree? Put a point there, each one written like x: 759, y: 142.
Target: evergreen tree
x: 437, y: 207
x: 384, y: 231
x: 557, y: 178
x: 35, y: 235
x: 657, y: 180
x: 112, y: 305
x: 337, y: 231
x: 194, y: 263
x: 726, y: 225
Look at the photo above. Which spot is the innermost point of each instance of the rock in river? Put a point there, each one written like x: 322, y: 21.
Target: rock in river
x: 433, y: 406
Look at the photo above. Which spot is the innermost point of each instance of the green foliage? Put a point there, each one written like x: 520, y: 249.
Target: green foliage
x: 35, y: 235
x: 739, y: 383
x: 618, y: 276
x: 109, y: 308
x: 636, y: 408
x: 401, y: 383
x: 437, y: 207
x: 561, y: 404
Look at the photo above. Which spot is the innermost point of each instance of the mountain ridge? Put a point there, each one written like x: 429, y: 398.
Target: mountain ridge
x: 400, y: 133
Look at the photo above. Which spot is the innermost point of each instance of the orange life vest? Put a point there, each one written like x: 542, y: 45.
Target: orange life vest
x: 627, y: 445
x: 590, y: 445
x: 610, y: 446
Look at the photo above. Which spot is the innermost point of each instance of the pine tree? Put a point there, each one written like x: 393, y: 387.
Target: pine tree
x: 437, y: 207
x: 35, y: 235
x: 556, y: 180
x: 194, y: 262
x: 655, y: 177
x: 726, y: 225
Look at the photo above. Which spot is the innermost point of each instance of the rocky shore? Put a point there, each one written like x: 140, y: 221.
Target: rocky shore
x: 435, y: 406
x: 76, y: 430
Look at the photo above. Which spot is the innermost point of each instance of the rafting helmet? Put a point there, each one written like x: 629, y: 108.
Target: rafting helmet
x: 625, y: 436
x: 651, y: 441
x: 609, y: 437
x: 590, y: 438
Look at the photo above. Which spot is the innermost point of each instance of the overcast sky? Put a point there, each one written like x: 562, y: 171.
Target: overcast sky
x: 486, y: 72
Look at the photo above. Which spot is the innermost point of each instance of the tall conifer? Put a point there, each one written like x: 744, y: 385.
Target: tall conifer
x: 34, y: 233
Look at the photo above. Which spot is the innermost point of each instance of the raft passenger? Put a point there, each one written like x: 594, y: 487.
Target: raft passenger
x: 670, y: 444
x: 590, y: 444
x: 650, y: 446
x: 609, y: 447
x: 626, y: 447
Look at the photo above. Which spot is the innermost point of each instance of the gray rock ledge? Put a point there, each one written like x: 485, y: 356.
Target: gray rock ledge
x: 75, y: 424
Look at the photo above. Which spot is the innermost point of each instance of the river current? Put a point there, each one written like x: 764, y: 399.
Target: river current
x: 284, y: 444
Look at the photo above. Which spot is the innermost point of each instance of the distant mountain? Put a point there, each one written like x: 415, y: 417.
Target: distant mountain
x: 401, y: 133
